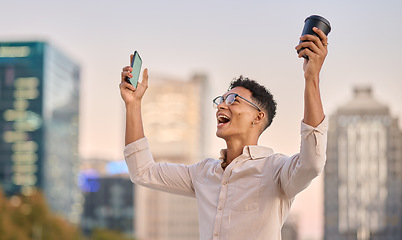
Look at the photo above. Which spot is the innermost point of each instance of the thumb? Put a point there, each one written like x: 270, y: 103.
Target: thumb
x: 145, y: 77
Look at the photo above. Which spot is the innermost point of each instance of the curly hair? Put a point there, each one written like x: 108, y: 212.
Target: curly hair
x: 260, y: 94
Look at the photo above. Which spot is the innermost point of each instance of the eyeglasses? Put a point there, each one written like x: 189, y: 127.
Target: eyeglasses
x: 230, y: 98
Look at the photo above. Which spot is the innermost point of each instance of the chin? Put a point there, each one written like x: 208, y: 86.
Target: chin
x: 218, y: 134
x: 222, y: 134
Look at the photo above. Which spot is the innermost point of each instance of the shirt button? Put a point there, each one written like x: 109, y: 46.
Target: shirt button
x: 225, y: 182
x: 220, y: 208
x: 215, y: 234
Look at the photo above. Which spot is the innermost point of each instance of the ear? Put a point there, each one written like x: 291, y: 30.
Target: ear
x: 260, y: 118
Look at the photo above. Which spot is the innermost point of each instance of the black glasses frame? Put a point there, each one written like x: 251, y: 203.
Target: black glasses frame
x: 219, y: 99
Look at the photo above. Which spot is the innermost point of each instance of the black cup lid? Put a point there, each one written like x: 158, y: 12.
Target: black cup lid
x: 322, y: 19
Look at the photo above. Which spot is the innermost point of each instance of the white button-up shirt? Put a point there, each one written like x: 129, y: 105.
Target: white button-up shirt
x: 251, y: 198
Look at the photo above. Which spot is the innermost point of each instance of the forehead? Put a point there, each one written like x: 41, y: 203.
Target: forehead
x: 244, y: 92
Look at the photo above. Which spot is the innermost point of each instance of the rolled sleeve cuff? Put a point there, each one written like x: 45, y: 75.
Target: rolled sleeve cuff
x: 139, y: 145
x: 318, y: 132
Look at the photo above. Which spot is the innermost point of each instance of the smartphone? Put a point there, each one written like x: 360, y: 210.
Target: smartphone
x: 136, y: 64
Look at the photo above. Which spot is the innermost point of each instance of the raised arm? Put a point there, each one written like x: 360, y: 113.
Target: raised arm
x: 316, y: 50
x: 297, y: 172
x: 169, y: 177
x: 132, y: 98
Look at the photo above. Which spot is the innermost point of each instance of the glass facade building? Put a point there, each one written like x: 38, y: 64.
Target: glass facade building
x: 363, y: 175
x: 39, y: 113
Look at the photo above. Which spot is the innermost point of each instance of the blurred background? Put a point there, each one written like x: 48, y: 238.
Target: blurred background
x: 62, y: 118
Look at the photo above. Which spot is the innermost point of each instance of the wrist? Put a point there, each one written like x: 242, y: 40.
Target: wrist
x: 315, y: 79
x: 133, y: 105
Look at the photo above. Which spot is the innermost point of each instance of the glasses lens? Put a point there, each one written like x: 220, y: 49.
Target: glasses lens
x: 230, y: 99
x: 217, y: 101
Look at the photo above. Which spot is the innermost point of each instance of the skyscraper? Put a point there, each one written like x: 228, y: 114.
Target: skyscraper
x: 173, y: 123
x: 363, y: 185
x: 39, y: 93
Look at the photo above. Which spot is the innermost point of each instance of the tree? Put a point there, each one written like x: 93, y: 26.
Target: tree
x: 28, y: 217
x: 105, y: 234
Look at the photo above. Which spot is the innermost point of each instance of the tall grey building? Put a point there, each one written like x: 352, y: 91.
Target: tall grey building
x: 363, y: 174
x: 173, y: 113
x: 39, y: 113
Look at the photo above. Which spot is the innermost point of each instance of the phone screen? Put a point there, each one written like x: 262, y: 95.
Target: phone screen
x: 136, y: 65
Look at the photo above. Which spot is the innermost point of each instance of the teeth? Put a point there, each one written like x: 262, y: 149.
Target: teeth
x: 223, y: 116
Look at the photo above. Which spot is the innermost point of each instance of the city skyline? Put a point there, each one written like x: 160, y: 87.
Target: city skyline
x: 222, y: 44
x: 222, y: 40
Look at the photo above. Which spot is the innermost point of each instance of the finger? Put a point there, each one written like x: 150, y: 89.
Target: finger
x: 126, y: 85
x: 311, y: 38
x: 314, y: 43
x: 311, y: 45
x: 145, y: 77
x: 127, y: 68
x: 321, y: 35
x: 125, y: 75
x: 131, y: 58
x: 305, y: 52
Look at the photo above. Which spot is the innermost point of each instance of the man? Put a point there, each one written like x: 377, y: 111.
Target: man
x: 248, y: 193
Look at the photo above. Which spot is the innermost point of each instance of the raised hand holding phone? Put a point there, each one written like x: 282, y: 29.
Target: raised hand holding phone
x: 136, y: 63
x: 133, y: 93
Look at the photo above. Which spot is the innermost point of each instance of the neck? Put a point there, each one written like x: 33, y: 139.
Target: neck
x: 235, y: 148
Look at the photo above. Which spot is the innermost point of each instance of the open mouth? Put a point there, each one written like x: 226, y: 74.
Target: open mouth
x: 222, y: 120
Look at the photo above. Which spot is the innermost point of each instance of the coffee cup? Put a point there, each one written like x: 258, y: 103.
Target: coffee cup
x: 315, y: 21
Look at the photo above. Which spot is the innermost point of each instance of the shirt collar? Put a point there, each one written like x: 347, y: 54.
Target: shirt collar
x: 256, y: 152
x: 253, y: 152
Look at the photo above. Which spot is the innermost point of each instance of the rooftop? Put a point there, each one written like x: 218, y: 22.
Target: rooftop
x: 363, y: 102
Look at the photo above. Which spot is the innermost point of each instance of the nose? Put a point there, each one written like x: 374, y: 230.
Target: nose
x: 222, y: 105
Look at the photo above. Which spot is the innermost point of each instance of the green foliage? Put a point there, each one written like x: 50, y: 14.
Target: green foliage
x: 9, y: 221
x: 104, y: 234
x: 29, y: 218
x: 25, y: 218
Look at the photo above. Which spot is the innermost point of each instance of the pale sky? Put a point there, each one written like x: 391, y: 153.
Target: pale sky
x: 222, y: 39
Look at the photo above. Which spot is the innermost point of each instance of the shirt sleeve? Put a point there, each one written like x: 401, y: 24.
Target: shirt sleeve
x: 168, y: 177
x: 295, y: 173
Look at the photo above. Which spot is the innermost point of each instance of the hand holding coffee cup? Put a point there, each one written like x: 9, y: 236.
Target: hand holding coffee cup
x: 310, y: 23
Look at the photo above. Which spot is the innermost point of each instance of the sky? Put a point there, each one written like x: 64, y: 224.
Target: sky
x: 222, y: 39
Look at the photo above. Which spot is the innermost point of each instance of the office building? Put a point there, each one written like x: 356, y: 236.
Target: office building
x: 108, y: 196
x: 39, y: 97
x: 363, y: 174
x: 173, y: 122
x: 108, y: 204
